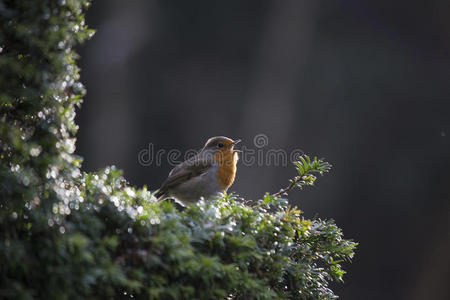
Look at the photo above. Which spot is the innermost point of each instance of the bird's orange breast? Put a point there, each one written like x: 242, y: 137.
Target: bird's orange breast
x: 226, y: 170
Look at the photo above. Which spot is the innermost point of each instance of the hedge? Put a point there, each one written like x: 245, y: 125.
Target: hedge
x: 67, y: 234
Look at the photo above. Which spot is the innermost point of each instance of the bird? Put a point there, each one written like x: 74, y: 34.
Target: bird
x: 211, y: 171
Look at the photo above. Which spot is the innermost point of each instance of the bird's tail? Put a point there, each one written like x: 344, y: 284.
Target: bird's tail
x: 160, y: 194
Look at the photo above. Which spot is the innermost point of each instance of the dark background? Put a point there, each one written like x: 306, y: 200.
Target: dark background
x: 364, y: 84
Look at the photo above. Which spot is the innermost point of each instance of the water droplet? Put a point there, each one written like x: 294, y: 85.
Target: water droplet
x: 62, y: 229
x: 153, y: 221
x: 130, y: 192
x: 26, y: 180
x: 35, y: 151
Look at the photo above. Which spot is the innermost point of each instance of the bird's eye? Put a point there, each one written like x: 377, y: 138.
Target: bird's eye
x: 220, y: 145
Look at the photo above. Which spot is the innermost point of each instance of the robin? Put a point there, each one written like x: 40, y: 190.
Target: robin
x: 210, y: 171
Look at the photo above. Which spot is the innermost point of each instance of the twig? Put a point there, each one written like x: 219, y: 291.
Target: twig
x: 293, y: 183
x: 305, y: 167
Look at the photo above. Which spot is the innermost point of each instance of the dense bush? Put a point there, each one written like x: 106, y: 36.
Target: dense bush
x: 65, y: 234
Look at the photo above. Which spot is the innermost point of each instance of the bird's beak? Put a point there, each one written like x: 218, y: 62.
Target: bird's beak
x: 235, y: 142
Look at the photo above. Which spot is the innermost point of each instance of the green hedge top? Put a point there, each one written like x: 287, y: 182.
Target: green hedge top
x: 65, y: 234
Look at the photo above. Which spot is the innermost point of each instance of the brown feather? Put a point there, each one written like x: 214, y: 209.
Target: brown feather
x: 226, y: 170
x: 183, y: 172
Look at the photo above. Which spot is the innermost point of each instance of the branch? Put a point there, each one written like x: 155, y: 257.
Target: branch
x: 305, y: 169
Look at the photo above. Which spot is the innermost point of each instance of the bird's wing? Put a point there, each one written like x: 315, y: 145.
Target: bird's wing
x: 183, y: 172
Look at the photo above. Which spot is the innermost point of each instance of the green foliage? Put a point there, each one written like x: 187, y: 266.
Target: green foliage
x: 306, y: 170
x: 65, y: 234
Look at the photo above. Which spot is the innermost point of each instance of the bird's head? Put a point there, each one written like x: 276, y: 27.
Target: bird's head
x: 222, y: 149
x: 220, y: 144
